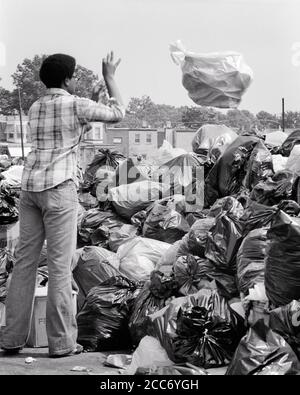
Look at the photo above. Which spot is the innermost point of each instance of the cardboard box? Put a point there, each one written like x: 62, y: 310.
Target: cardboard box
x: 38, y: 334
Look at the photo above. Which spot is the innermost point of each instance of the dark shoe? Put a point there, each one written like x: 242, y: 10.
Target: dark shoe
x: 11, y: 351
x: 78, y: 350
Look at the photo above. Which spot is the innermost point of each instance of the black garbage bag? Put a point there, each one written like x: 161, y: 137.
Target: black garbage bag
x: 191, y: 218
x: 96, y: 227
x: 201, y: 329
x: 7, y: 262
x: 275, y: 189
x: 165, y: 220
x: 288, y: 145
x: 290, y: 207
x: 262, y: 351
x: 152, y: 298
x: 184, y: 175
x: 285, y: 320
x: 103, y: 320
x: 127, y: 173
x: 260, y: 166
x: 95, y: 265
x: 119, y: 236
x: 193, y: 273
x: 103, y: 159
x: 251, y: 260
x: 256, y: 216
x: 223, y: 242
x: 9, y: 202
x: 282, y: 273
x: 212, y: 140
x: 227, y: 175
x: 197, y: 236
x: 228, y: 205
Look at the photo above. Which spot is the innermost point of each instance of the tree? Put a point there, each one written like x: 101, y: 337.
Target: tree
x: 267, y: 120
x: 86, y: 79
x: 243, y: 120
x: 26, y: 78
x: 291, y: 119
x: 198, y: 116
x: 6, y: 105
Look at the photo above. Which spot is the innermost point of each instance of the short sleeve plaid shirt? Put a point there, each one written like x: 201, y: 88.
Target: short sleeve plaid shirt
x: 56, y: 124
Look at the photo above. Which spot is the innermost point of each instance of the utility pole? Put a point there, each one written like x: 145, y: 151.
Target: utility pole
x: 21, y: 123
x: 283, y: 120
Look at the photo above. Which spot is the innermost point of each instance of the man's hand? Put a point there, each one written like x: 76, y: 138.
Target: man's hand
x: 109, y: 67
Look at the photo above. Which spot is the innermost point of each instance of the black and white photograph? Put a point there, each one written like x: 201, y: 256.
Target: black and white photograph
x: 149, y: 191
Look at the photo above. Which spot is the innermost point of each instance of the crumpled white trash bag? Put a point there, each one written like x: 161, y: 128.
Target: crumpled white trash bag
x: 149, y: 353
x: 279, y: 162
x: 13, y: 176
x: 138, y: 257
x: 217, y: 79
x: 293, y: 162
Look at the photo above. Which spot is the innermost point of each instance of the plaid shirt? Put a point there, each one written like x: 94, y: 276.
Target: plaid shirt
x: 56, y: 125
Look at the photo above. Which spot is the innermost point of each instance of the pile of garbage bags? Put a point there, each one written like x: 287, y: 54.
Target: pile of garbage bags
x: 206, y: 263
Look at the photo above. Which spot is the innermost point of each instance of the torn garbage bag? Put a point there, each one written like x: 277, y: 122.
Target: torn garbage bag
x: 215, y: 79
x: 103, y: 320
x: 152, y: 298
x: 282, y: 275
x: 201, y: 329
x: 263, y: 351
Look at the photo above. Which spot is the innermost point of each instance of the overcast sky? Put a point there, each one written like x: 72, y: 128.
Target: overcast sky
x: 140, y: 31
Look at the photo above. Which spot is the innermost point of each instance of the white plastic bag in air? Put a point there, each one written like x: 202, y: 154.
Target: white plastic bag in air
x: 217, y: 79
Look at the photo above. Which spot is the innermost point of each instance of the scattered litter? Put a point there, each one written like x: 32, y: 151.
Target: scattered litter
x: 29, y: 360
x: 80, y: 369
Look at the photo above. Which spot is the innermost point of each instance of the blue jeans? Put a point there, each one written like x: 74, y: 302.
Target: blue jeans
x: 50, y: 215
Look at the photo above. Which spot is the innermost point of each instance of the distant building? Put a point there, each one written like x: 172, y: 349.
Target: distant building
x: 133, y: 142
x: 13, y: 129
x: 180, y: 138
